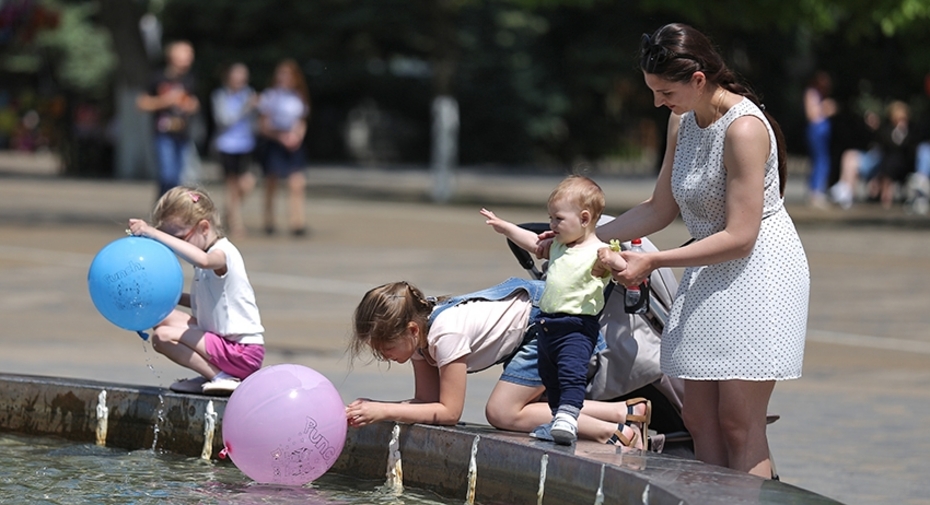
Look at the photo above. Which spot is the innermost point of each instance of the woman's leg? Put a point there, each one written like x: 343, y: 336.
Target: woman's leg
x: 742, y: 410
x: 246, y: 184
x: 233, y: 203
x: 700, y: 413
x: 239, y: 183
x: 844, y: 191
x: 818, y: 138
x: 849, y: 167
x: 296, y: 187
x: 271, y: 187
x: 889, y: 191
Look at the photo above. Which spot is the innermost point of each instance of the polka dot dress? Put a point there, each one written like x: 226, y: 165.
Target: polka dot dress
x: 745, y: 318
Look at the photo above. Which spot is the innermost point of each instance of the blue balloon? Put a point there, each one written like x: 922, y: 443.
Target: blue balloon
x: 135, y: 282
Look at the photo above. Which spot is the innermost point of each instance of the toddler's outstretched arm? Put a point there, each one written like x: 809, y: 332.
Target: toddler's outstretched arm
x: 525, y: 239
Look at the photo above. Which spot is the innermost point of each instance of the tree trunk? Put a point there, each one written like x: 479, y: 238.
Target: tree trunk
x: 445, y: 113
x: 134, y: 154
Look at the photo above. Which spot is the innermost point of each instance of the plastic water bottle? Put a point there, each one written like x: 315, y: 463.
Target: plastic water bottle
x: 636, y: 300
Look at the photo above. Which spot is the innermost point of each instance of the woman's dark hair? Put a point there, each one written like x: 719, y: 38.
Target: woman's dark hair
x: 676, y: 51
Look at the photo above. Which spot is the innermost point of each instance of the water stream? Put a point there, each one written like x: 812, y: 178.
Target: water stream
x: 49, y: 471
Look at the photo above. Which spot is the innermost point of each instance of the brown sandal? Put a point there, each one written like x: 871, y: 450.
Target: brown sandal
x: 645, y: 419
x: 618, y: 438
x: 631, y: 419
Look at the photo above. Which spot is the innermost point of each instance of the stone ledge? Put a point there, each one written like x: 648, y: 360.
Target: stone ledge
x: 489, y: 465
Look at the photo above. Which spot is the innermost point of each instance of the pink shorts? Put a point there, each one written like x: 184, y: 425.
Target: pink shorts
x: 238, y: 360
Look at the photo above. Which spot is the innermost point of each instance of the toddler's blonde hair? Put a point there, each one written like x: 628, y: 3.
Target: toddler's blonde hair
x: 581, y: 191
x: 186, y: 206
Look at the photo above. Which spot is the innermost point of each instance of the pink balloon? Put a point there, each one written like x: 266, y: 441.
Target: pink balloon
x: 285, y: 424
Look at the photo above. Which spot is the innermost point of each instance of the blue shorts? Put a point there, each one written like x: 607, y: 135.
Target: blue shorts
x: 523, y: 368
x: 868, y: 163
x: 278, y: 161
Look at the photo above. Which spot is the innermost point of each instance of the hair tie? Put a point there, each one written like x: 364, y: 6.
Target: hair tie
x: 194, y: 196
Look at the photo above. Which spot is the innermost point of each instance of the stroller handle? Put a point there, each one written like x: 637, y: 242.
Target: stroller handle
x: 524, y: 257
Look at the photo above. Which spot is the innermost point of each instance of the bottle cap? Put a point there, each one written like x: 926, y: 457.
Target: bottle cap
x: 636, y: 241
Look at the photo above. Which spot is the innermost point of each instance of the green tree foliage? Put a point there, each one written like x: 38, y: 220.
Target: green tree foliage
x: 537, y: 80
x: 61, y: 39
x: 81, y: 50
x: 857, y: 18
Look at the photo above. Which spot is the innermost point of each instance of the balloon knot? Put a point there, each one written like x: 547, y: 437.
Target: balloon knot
x: 143, y: 335
x: 223, y: 453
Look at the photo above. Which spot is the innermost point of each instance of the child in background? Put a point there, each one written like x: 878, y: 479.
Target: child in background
x: 572, y: 299
x: 222, y: 337
x: 234, y: 114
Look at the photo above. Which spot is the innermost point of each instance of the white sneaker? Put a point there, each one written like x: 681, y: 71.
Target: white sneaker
x: 564, y: 429
x: 192, y: 385
x: 222, y: 384
x: 842, y: 194
x: 921, y: 205
x: 918, y: 194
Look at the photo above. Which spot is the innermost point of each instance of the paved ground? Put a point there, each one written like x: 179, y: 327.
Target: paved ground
x: 854, y: 428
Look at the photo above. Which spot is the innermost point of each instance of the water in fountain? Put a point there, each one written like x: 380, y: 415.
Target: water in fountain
x: 48, y: 470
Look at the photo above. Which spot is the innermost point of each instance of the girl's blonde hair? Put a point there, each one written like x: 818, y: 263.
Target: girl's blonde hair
x: 383, y: 314
x: 581, y: 191
x: 186, y: 206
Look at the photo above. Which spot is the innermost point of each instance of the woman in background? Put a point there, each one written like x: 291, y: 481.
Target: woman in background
x: 234, y: 114
x: 283, y: 112
x: 818, y: 108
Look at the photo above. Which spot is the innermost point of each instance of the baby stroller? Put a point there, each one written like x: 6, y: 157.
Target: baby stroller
x: 629, y: 368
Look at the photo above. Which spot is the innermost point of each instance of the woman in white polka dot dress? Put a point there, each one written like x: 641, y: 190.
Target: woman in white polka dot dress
x: 740, y: 316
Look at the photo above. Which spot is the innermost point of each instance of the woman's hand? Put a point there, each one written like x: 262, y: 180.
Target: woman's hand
x: 290, y: 140
x: 610, y: 259
x: 638, y: 268
x: 544, y: 243
x: 363, y: 412
x: 188, y: 103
